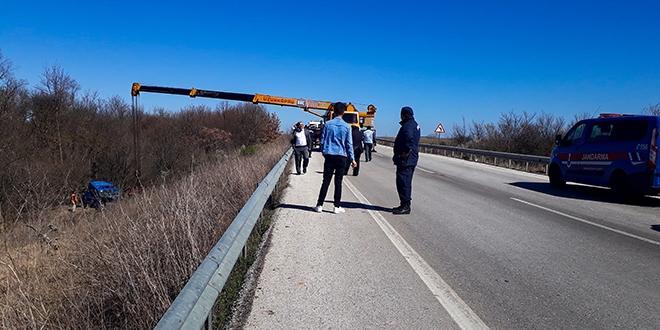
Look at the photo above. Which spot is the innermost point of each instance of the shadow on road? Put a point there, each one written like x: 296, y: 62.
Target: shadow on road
x: 346, y: 205
x: 588, y: 193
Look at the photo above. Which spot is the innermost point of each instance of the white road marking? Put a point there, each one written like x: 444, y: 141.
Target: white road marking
x: 425, y: 170
x: 588, y: 222
x: 459, y: 311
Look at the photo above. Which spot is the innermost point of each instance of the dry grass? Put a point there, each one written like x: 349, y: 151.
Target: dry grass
x: 120, y: 268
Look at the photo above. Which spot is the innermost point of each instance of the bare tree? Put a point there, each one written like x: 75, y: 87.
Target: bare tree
x: 12, y: 90
x: 54, y: 98
x: 477, y: 131
x: 652, y: 109
x: 581, y: 116
x: 460, y: 134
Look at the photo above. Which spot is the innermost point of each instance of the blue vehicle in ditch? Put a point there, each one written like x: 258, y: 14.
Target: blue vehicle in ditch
x: 98, y: 193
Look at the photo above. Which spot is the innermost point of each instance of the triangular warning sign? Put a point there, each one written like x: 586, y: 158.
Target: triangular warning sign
x: 440, y: 129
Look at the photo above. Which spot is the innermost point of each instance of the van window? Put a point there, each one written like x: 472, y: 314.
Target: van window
x: 618, y: 131
x: 575, y: 134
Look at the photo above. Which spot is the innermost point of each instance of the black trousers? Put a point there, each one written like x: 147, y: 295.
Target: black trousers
x: 404, y: 176
x: 356, y: 169
x: 333, y: 165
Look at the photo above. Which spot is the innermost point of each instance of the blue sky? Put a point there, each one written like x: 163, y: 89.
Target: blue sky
x: 448, y: 60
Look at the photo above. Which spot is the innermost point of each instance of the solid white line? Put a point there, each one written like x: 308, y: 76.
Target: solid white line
x: 589, y: 222
x: 424, y: 170
x: 459, y: 311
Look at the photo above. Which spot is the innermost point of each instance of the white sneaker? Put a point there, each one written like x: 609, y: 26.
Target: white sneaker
x: 318, y: 209
x: 338, y: 210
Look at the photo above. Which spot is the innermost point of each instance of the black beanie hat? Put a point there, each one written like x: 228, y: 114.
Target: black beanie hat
x: 408, y: 111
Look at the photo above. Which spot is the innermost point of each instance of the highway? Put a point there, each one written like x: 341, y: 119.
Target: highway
x: 516, y: 253
x: 523, y: 255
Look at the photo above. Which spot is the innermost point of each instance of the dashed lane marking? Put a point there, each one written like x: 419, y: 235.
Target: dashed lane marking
x: 459, y: 311
x: 588, y: 222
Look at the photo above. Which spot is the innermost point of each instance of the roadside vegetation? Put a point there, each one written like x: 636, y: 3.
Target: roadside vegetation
x: 121, y: 266
x: 520, y: 133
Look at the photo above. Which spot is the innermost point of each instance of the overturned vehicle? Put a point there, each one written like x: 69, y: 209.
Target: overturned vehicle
x: 98, y: 193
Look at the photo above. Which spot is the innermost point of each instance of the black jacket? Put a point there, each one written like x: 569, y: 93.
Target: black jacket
x: 358, y: 138
x: 406, y: 142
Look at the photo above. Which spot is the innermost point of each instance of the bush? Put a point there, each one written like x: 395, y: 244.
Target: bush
x: 121, y: 268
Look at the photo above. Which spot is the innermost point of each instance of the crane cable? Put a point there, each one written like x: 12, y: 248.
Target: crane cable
x: 135, y: 111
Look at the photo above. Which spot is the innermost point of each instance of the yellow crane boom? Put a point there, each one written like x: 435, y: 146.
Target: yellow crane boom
x: 352, y: 115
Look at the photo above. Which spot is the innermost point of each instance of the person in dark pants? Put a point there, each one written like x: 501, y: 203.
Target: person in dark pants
x: 405, y: 158
x: 357, y: 150
x: 368, y: 143
x: 337, y: 149
x: 301, y: 143
x: 310, y: 140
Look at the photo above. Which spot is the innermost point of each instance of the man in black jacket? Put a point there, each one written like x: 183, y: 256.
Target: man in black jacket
x: 358, y: 138
x: 405, y: 158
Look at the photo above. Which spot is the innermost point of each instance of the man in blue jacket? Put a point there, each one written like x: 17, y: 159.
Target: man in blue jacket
x: 337, y: 149
x: 405, y: 158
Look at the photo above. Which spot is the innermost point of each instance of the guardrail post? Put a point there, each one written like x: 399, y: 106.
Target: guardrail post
x: 509, y: 163
x: 526, y: 166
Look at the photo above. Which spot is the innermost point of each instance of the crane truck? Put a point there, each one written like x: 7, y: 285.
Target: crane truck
x: 351, y: 116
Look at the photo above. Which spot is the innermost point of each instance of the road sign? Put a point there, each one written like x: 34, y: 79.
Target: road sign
x: 440, y: 129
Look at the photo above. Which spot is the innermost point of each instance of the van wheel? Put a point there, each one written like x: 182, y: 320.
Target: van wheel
x: 620, y: 186
x: 556, y: 178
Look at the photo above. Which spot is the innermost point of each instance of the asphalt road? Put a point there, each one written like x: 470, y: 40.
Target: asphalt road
x: 523, y: 255
x: 504, y: 249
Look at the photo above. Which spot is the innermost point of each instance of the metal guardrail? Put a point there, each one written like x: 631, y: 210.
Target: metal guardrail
x: 527, y: 159
x: 192, y: 307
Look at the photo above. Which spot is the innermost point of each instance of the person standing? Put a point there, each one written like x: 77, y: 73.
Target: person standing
x: 337, y: 149
x: 368, y: 135
x: 356, y: 134
x: 405, y: 158
x: 300, y: 141
x: 310, y: 139
x: 74, y: 201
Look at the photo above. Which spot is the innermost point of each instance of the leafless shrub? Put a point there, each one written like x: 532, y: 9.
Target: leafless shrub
x: 523, y: 133
x: 71, y: 137
x: 122, y: 267
x: 86, y: 269
x: 460, y: 134
x: 652, y: 109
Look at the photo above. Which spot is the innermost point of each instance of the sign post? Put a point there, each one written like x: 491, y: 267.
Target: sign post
x: 439, y: 130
